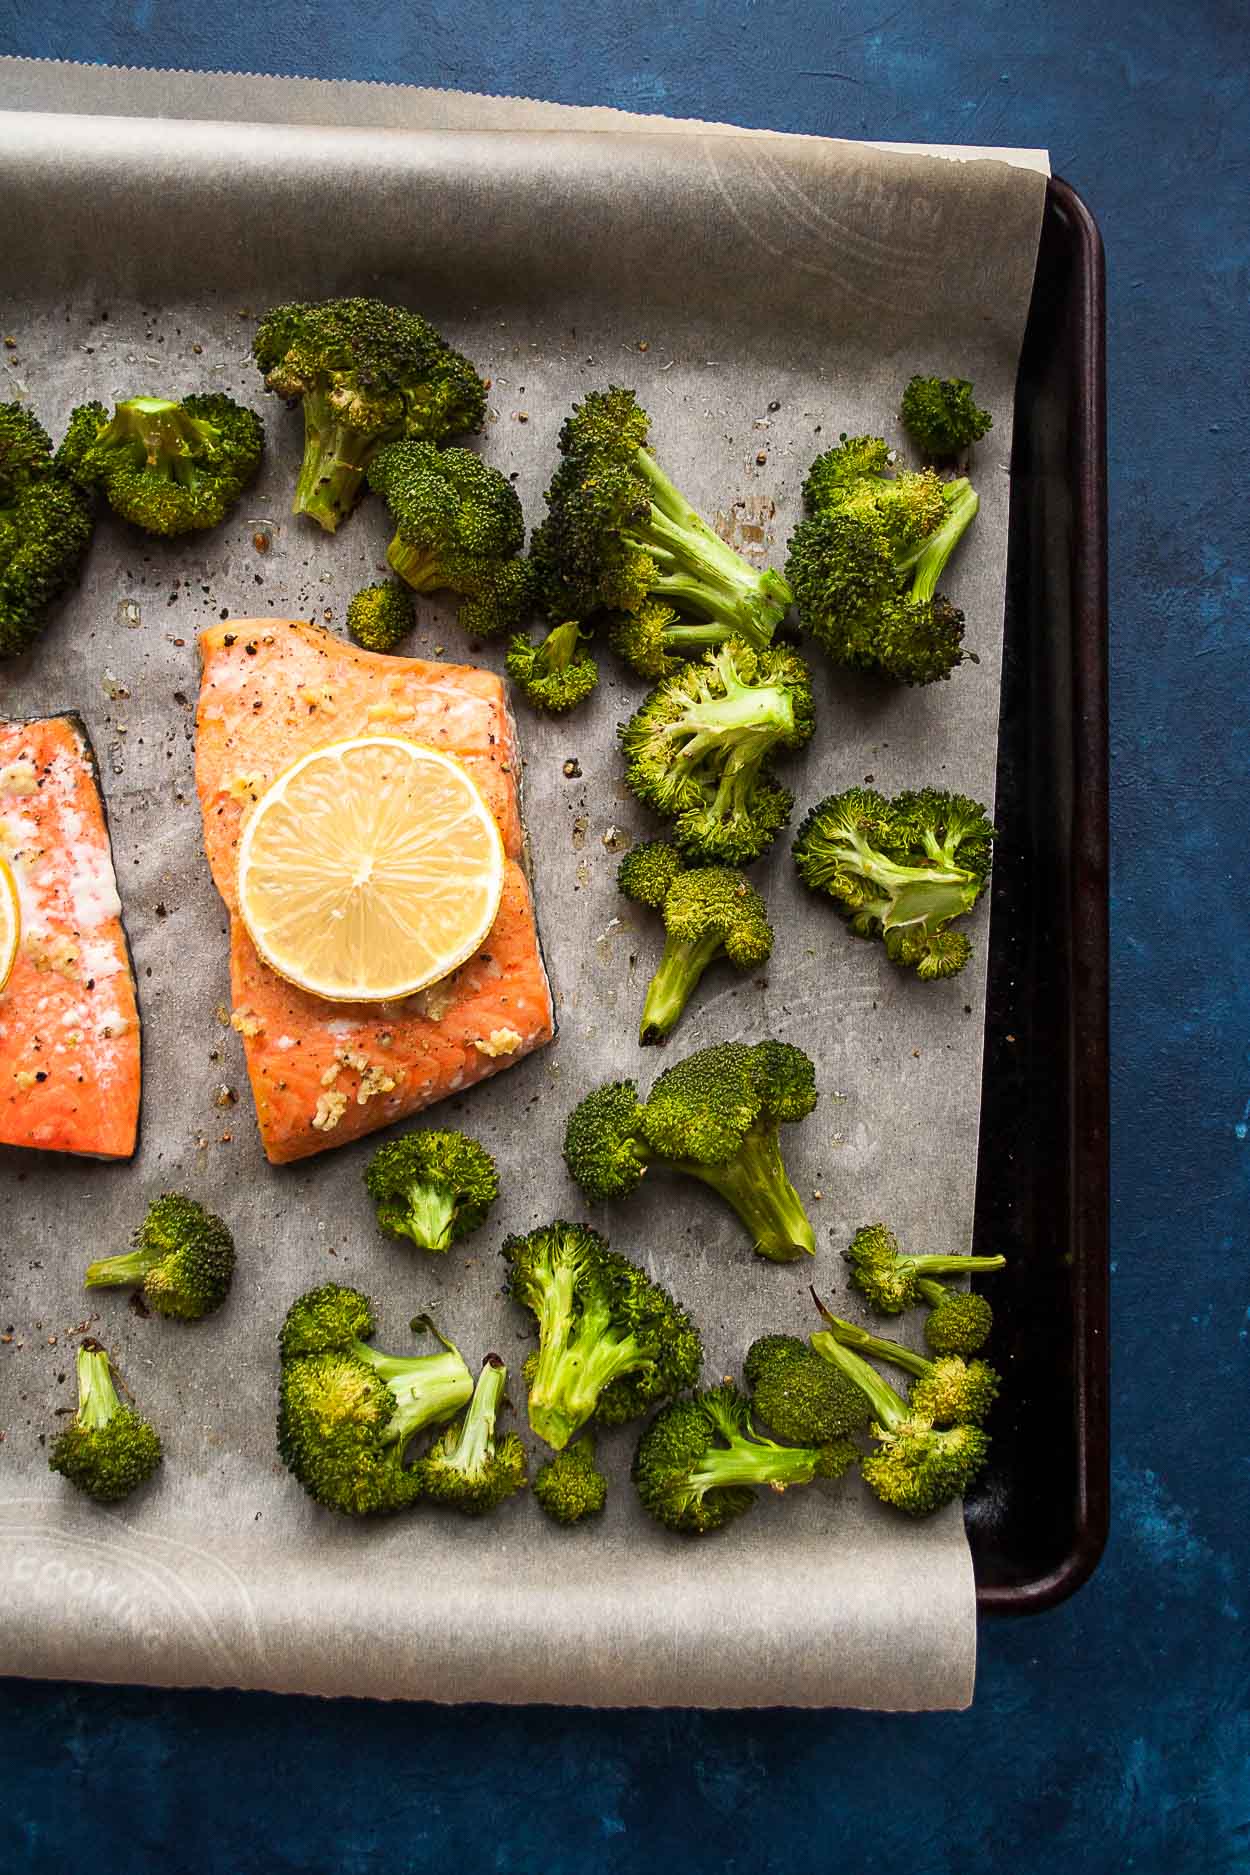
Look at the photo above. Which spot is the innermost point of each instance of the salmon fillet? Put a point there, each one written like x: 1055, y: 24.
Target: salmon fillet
x: 69, y: 1021
x: 323, y: 1073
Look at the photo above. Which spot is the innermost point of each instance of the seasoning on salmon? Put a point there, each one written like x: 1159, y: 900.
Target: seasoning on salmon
x: 69, y: 1021
x: 326, y: 1072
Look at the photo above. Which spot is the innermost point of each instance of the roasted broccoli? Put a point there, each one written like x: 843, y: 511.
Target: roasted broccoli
x: 890, y: 1280
x: 917, y: 1466
x: 948, y: 1391
x: 941, y: 418
x: 346, y: 1412
x: 168, y: 467
x: 699, y: 1460
x: 697, y: 748
x: 959, y: 1320
x: 432, y: 1187
x: 900, y: 870
x: 45, y: 527
x: 107, y: 1450
x: 458, y: 528
x: 619, y: 537
x: 366, y: 374
x: 865, y: 563
x: 611, y: 1341
x: 799, y: 1396
x: 183, y: 1260
x: 642, y: 639
x: 469, y: 1467
x: 558, y: 672
x: 569, y: 1486
x: 378, y: 616
x: 708, y: 912
x: 715, y: 1116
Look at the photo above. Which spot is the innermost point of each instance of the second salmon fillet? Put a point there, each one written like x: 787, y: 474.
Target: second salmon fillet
x: 323, y: 1073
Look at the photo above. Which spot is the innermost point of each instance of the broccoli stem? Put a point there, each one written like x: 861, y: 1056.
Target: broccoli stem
x: 850, y: 1336
x: 97, y: 1396
x: 131, y: 1267
x: 471, y: 1448
x: 707, y: 574
x: 335, y: 459
x: 418, y: 567
x: 749, y: 1461
x: 429, y: 1214
x: 578, y: 1358
x: 158, y: 430
x: 674, y: 983
x: 426, y: 1387
x: 953, y: 1266
x: 940, y: 545
x: 891, y: 1411
x: 558, y: 648
x: 755, y: 1182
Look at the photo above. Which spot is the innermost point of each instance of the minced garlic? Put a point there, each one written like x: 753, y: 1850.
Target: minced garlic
x: 498, y: 1042
x: 246, y: 1022
x: 330, y: 1110
x: 18, y: 777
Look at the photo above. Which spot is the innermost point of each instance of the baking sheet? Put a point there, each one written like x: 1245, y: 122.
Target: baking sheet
x: 812, y: 279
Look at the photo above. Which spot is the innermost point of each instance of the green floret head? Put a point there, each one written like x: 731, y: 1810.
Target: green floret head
x: 432, y: 1187
x: 959, y: 1322
x: 183, y: 1258
x: 647, y: 871
x: 892, y: 1281
x: 346, y: 1411
x: 604, y: 1146
x: 697, y: 749
x: 838, y: 471
x: 379, y: 616
x: 700, y: 1460
x: 470, y: 1467
x: 900, y: 870
x: 458, y: 527
x: 45, y: 528
x: 569, y: 1486
x: 167, y: 466
x: 954, y: 1390
x: 642, y: 639
x: 108, y: 1450
x: 619, y: 537
x: 941, y: 416
x: 366, y: 374
x: 612, y: 1341
x: 558, y: 672
x: 799, y: 1396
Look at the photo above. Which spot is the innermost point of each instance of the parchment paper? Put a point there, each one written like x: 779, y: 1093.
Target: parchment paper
x: 761, y: 294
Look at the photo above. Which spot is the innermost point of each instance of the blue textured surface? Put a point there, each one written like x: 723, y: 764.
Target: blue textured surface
x: 1114, y: 1733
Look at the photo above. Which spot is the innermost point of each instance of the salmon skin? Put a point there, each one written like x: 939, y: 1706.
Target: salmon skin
x: 324, y: 1072
x: 70, y: 1068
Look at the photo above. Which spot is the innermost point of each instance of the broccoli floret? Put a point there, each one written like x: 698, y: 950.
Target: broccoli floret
x: 611, y: 1340
x: 798, y: 1395
x: 699, y: 1460
x: 458, y: 528
x: 890, y: 1280
x: 108, y: 1450
x: 366, y: 374
x: 958, y: 1322
x: 714, y: 1116
x: 948, y: 1391
x: 347, y: 1412
x: 697, y: 749
x: 432, y: 1187
x: 708, y: 912
x: 45, y: 528
x: 569, y: 1486
x: 865, y: 564
x: 378, y: 616
x: 469, y: 1468
x: 917, y: 1466
x: 168, y: 467
x: 941, y: 417
x: 642, y: 638
x: 556, y: 674
x: 619, y: 537
x: 183, y: 1260
x: 900, y: 870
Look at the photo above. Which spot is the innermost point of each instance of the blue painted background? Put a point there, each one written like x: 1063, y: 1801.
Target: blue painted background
x: 1114, y: 1733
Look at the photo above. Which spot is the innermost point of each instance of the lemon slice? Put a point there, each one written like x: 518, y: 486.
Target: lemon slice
x: 369, y: 869
x: 10, y: 921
